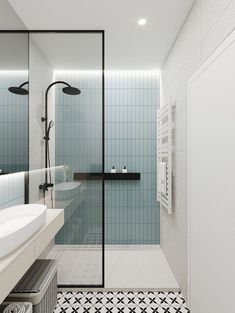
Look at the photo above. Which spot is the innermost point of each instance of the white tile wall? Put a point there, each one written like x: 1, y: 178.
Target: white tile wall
x: 207, y: 25
x: 210, y: 11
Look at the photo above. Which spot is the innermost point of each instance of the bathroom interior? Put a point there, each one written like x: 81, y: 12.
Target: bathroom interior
x: 116, y: 156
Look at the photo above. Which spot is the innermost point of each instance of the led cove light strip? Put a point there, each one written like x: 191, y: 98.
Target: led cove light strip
x: 129, y: 72
x: 15, y: 72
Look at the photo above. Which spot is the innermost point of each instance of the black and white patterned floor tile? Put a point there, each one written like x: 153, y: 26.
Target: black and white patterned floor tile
x: 120, y: 302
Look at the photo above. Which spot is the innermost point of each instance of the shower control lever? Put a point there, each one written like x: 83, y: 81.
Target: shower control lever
x: 45, y: 186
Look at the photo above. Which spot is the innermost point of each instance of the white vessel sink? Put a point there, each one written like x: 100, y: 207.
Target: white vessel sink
x: 19, y: 223
x: 67, y: 190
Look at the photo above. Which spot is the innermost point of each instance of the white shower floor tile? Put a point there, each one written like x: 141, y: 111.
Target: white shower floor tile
x: 78, y: 264
x: 140, y: 267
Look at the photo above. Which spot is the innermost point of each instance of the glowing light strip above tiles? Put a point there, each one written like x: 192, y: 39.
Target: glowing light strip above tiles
x: 15, y: 72
x: 41, y: 170
x: 78, y: 72
x: 157, y: 71
x: 107, y: 72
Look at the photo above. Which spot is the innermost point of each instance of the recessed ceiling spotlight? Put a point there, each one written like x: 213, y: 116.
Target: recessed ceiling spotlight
x: 141, y: 21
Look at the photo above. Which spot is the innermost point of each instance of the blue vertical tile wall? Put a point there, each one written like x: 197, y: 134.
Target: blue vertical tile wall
x: 79, y: 146
x: 131, y: 210
x: 79, y: 122
x: 131, y: 102
x: 13, y: 123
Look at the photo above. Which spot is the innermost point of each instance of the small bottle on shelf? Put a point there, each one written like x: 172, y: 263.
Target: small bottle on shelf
x: 124, y: 170
x: 113, y: 170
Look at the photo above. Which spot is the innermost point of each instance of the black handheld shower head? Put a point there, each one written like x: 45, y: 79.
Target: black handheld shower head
x: 51, y: 124
x: 47, y: 136
x: 19, y: 90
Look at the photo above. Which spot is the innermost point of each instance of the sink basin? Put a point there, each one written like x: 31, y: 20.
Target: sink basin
x: 19, y: 223
x: 67, y: 190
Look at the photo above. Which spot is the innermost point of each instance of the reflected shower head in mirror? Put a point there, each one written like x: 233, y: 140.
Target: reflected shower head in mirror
x: 73, y: 91
x: 19, y: 90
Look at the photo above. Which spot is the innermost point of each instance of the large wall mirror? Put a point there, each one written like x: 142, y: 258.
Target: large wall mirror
x: 14, y: 102
x: 52, y: 127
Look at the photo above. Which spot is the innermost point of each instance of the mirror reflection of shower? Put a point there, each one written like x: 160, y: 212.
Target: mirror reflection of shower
x: 68, y: 90
x: 19, y: 90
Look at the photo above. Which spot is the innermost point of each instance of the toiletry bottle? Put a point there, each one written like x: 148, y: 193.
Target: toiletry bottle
x: 124, y: 170
x: 113, y: 170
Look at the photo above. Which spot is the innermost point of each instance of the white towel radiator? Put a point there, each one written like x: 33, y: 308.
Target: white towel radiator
x: 164, y: 154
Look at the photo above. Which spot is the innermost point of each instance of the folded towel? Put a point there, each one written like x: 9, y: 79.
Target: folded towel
x: 162, y: 177
x: 15, y: 307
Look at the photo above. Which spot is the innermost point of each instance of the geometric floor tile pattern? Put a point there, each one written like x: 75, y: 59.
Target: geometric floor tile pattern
x: 120, y: 302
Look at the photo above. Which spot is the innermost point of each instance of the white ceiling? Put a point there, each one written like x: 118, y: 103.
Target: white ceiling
x: 128, y: 46
x: 70, y: 51
x: 14, y: 51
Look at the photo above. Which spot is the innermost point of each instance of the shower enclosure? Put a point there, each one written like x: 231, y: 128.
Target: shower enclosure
x: 65, y: 133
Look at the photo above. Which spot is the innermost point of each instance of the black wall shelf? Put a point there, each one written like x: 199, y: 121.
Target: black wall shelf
x: 87, y: 176
x: 121, y: 176
x: 107, y: 176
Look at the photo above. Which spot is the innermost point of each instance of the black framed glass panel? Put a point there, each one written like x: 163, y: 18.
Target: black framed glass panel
x: 68, y: 67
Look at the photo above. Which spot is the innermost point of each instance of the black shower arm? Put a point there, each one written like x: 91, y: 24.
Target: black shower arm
x: 46, y: 95
x: 23, y: 84
x: 55, y: 83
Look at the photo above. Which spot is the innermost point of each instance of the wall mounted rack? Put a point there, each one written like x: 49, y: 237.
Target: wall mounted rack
x: 106, y: 176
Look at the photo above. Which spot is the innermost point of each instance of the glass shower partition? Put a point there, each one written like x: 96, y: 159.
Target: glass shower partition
x: 75, y: 145
x: 79, y: 145
x: 79, y: 148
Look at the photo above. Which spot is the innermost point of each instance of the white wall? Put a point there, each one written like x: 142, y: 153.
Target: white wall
x: 211, y: 199
x: 209, y: 22
x: 40, y: 76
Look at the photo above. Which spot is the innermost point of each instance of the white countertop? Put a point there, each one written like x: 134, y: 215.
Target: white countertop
x: 14, y: 265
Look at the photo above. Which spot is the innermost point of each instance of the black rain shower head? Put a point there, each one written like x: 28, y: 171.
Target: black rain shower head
x: 19, y: 90
x: 71, y: 90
